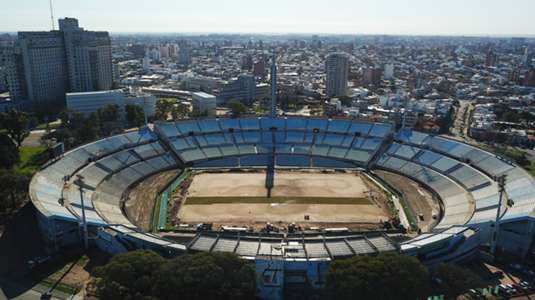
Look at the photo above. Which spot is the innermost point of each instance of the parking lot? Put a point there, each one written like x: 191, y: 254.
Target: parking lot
x: 508, y: 281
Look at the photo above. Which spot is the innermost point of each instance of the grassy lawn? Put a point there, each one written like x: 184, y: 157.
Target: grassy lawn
x: 287, y: 200
x: 31, y: 158
x: 531, y: 168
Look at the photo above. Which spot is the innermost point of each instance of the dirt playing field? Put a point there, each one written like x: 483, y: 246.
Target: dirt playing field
x: 141, y: 198
x: 239, y: 198
x: 227, y: 185
x: 421, y: 201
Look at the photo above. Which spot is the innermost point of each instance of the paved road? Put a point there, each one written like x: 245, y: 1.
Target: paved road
x: 34, y: 139
x: 461, y: 124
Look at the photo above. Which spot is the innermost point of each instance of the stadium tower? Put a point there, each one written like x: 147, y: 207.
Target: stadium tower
x: 274, y: 86
x: 270, y: 168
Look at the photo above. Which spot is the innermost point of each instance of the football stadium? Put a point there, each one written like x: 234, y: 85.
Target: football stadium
x: 295, y: 190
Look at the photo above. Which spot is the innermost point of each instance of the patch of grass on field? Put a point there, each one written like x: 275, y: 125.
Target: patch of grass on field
x: 287, y: 200
x: 156, y: 214
x: 31, y: 159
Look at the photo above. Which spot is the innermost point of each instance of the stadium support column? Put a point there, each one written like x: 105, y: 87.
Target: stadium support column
x: 80, y: 183
x: 270, y: 174
x: 274, y: 86
x: 496, y: 230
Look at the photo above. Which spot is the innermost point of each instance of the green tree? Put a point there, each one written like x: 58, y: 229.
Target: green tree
x: 109, y: 113
x: 452, y: 280
x: 146, y: 275
x: 134, y: 115
x: 13, y: 189
x: 108, y: 118
x: 346, y: 101
x: 205, y: 276
x: 9, y: 154
x: 366, y: 278
x: 511, y: 116
x: 180, y: 111
x: 128, y: 276
x: 89, y: 129
x: 528, y: 116
x: 237, y: 108
x: 16, y: 123
x: 163, y: 109
x: 76, y: 129
x: 71, y: 119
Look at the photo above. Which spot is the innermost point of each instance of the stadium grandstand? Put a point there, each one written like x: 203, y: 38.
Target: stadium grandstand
x: 87, y: 185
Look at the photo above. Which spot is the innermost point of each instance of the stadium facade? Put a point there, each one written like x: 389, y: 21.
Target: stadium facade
x: 465, y: 178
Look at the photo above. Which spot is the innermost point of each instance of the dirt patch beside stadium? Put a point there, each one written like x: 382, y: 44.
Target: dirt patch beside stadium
x: 418, y: 198
x: 141, y: 198
x: 342, y: 199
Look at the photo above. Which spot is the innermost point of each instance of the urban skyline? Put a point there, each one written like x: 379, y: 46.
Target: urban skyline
x: 475, y: 18
x: 256, y: 166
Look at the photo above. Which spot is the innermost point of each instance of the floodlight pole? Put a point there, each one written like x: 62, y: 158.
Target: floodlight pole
x: 80, y: 183
x: 273, y: 112
x: 145, y: 110
x: 501, y: 189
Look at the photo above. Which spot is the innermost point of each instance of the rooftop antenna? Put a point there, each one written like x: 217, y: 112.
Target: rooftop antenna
x: 52, y: 14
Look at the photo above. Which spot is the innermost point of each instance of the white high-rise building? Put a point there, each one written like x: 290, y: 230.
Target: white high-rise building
x: 146, y: 63
x: 337, y: 69
x: 388, y: 71
x: 204, y: 103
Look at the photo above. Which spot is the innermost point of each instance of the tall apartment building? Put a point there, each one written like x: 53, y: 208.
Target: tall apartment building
x: 491, y: 59
x: 45, y: 66
x: 43, y: 70
x: 337, y: 69
x: 372, y: 76
x: 529, y: 78
x: 88, y: 56
x: 242, y: 89
x: 14, y: 72
x: 184, y: 56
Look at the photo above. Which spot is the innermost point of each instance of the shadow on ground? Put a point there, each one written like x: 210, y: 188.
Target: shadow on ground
x: 21, y: 242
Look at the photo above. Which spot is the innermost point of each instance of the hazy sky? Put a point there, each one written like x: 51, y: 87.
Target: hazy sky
x: 457, y: 17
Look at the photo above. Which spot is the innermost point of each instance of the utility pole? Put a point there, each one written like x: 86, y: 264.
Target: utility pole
x: 501, y: 189
x: 80, y: 183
